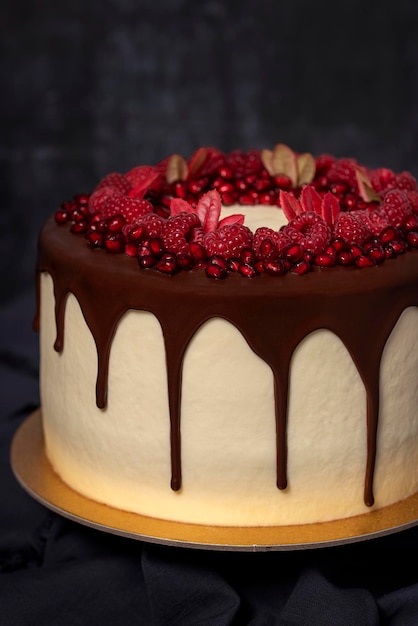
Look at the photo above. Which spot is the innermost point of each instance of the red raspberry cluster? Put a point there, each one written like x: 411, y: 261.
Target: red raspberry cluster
x: 167, y: 217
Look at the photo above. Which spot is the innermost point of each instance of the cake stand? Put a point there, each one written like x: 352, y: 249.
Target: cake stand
x: 35, y: 474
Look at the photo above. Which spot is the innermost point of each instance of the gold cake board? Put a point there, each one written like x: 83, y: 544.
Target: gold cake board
x: 35, y: 474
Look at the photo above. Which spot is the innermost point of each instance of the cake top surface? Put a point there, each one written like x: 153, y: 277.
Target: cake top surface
x: 260, y: 212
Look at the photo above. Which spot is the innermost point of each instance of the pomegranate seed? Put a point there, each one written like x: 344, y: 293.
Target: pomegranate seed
x: 226, y: 188
x: 80, y: 227
x: 377, y: 253
x: 356, y: 251
x: 350, y: 201
x: 146, y: 261
x: 233, y: 265
x: 255, y: 195
x: 155, y: 246
x: 82, y: 199
x: 302, y: 267
x: 167, y: 264
x: 259, y: 266
x: 267, y: 249
x: 77, y: 215
x: 162, y: 211
x: 62, y: 216
x: 251, y: 178
x: 185, y: 261
x: 241, y: 185
x: 390, y: 252
x: 331, y: 251
x: 268, y: 197
x: 180, y: 190
x: 215, y: 271
x: 229, y: 198
x: 262, y: 184
x: 225, y: 172
x: 411, y: 223
x: 247, y: 198
x: 116, y: 223
x: 338, y: 244
x: 274, y: 267
x: 95, y: 239
x: 197, y: 186
x: 388, y: 234
x: 283, y: 182
x: 197, y: 251
x: 131, y: 249
x: 247, y: 270
x: 200, y: 265
x: 398, y: 246
x: 166, y: 201
x: 114, y: 243
x: 412, y: 238
x: 325, y: 260
x: 293, y: 252
x: 339, y: 189
x: 247, y: 256
x: 218, y: 260
x: 365, y: 261
x: 101, y: 226
x: 136, y: 233
x: 345, y: 258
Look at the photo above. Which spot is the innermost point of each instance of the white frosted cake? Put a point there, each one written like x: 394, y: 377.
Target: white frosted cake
x: 232, y: 340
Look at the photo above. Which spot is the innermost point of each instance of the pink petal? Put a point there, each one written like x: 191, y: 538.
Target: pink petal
x: 330, y: 208
x: 141, y: 179
x: 178, y: 205
x: 290, y: 206
x: 311, y: 200
x: 196, y: 162
x: 237, y: 218
x: 209, y: 209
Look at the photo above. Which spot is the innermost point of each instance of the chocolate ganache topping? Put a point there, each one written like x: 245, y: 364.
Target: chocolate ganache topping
x: 360, y: 306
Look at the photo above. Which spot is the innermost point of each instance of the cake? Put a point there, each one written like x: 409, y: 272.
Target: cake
x: 232, y: 339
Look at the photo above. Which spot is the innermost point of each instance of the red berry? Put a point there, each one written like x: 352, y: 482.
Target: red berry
x: 351, y: 228
x: 131, y: 208
x: 228, y: 240
x: 309, y: 230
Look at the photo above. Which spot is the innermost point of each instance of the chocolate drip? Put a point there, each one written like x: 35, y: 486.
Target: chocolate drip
x: 273, y: 314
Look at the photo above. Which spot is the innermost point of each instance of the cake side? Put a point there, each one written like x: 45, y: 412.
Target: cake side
x: 235, y: 447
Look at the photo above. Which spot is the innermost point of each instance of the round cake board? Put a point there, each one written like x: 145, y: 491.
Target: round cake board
x: 35, y: 474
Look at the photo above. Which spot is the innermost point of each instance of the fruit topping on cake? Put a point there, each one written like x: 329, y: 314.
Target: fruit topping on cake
x: 168, y: 216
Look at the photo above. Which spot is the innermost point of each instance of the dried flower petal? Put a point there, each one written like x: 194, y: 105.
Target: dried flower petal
x: 177, y: 169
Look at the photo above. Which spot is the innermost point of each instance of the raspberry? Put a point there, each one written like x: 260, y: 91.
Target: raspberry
x: 228, y: 241
x: 117, y: 181
x: 350, y: 227
x: 413, y: 200
x: 373, y: 220
x: 343, y: 170
x: 278, y: 237
x: 395, y: 207
x: 130, y: 208
x: 152, y: 223
x: 309, y: 230
x: 244, y: 164
x: 100, y: 197
x: 382, y: 179
x: 406, y: 182
x: 177, y: 232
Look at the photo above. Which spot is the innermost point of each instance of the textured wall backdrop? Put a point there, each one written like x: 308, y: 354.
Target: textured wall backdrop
x: 90, y: 87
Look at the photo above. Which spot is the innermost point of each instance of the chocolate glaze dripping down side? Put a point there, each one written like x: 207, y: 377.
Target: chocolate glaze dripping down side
x: 273, y: 314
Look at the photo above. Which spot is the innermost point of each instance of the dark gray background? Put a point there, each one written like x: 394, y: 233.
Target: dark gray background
x: 90, y: 87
